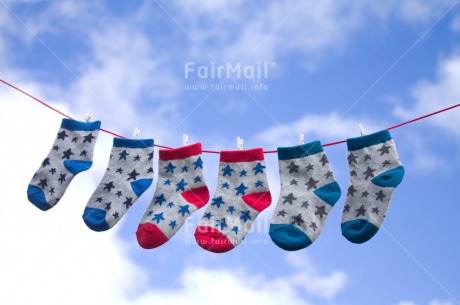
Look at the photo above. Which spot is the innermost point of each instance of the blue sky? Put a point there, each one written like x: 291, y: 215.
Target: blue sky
x: 332, y: 65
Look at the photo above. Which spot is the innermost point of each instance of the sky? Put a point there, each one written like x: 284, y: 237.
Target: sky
x: 327, y: 66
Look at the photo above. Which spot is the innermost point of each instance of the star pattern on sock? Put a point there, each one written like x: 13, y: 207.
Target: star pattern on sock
x: 46, y: 162
x: 227, y: 170
x: 298, y: 204
x: 133, y: 175
x: 177, y: 180
x: 282, y: 213
x: 158, y: 217
x: 62, y: 135
x: 367, y: 196
x: 240, y: 190
x: 57, y: 169
x: 237, y: 180
x: 88, y: 138
x: 67, y: 154
x: 125, y: 180
x: 245, y: 215
x: 321, y: 211
x: 218, y: 201
x: 293, y: 168
x: 297, y: 220
x: 259, y: 168
x: 289, y: 198
x: 123, y: 155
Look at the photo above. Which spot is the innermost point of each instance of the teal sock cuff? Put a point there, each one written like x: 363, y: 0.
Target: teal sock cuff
x: 70, y: 124
x: 299, y: 151
x: 132, y: 143
x: 368, y: 140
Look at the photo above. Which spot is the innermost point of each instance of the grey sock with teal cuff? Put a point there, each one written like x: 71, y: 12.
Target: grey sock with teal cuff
x: 375, y: 172
x: 128, y: 175
x: 308, y: 193
x: 71, y: 154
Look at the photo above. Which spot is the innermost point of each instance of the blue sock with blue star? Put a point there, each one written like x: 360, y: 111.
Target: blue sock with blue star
x: 181, y: 190
x: 375, y: 172
x: 72, y: 153
x: 128, y: 175
x: 242, y: 193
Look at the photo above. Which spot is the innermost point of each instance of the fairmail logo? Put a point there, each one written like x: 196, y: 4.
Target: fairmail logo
x: 229, y: 70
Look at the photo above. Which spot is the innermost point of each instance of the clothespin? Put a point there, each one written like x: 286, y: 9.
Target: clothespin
x: 239, y: 143
x: 89, y: 116
x: 136, y: 132
x: 361, y: 128
x: 301, y: 137
x: 185, y: 139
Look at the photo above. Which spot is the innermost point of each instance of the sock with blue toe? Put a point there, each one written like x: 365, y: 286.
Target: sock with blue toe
x: 308, y: 193
x: 375, y: 171
x: 72, y: 153
x: 128, y: 175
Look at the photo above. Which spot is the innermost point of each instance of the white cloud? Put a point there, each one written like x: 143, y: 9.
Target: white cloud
x: 411, y: 12
x: 206, y: 287
x: 52, y: 256
x: 432, y: 95
x: 432, y: 302
x: 309, y: 279
x: 279, y: 28
x: 455, y: 25
x: 125, y: 71
x: 429, y: 96
x: 121, y: 76
x: 203, y: 286
x: 439, y: 302
x: 309, y: 27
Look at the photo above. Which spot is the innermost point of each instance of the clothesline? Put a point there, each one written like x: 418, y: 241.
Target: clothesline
x: 215, y: 151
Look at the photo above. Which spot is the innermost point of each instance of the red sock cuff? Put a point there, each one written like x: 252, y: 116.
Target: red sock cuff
x: 249, y: 155
x: 181, y: 152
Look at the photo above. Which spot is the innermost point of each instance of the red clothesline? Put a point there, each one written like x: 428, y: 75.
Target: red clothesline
x: 217, y: 152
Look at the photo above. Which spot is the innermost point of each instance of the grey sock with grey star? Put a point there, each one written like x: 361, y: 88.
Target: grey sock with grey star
x: 71, y: 154
x: 375, y: 172
x: 128, y: 176
x: 308, y: 193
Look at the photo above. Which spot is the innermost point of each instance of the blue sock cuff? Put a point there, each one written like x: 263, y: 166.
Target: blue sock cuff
x: 368, y: 140
x: 70, y: 124
x: 299, y: 151
x: 132, y: 143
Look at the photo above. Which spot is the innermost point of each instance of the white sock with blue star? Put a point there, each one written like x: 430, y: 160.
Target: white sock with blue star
x: 242, y: 193
x: 129, y: 174
x: 71, y: 154
x: 181, y: 190
x: 375, y: 172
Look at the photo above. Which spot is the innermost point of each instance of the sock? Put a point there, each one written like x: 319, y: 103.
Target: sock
x: 72, y: 153
x: 308, y: 193
x: 181, y: 190
x: 128, y: 176
x: 242, y: 193
x: 375, y: 171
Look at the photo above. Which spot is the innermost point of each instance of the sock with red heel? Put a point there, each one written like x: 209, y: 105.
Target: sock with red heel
x: 181, y: 190
x: 242, y: 193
